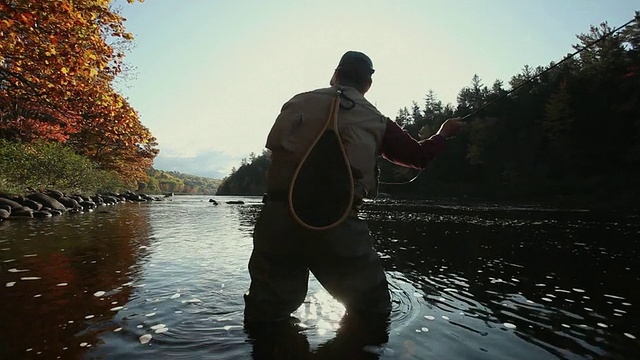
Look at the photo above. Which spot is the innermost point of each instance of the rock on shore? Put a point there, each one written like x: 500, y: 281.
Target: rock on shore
x: 53, y: 203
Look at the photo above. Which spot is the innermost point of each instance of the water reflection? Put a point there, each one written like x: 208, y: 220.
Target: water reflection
x: 522, y: 273
x: 165, y: 280
x: 64, y: 280
x: 355, y: 338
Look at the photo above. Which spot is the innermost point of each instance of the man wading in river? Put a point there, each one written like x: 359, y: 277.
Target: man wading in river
x: 342, y: 256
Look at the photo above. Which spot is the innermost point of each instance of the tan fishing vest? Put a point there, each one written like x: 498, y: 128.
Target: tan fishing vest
x: 305, y: 115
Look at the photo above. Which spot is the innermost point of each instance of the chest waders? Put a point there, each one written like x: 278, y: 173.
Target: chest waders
x: 321, y: 190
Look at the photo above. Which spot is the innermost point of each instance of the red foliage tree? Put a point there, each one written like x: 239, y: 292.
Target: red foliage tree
x: 58, y: 59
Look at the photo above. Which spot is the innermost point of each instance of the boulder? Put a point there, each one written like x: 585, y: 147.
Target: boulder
x: 97, y: 199
x: 110, y: 200
x: 79, y: 198
x: 33, y: 205
x: 13, y: 204
x: 133, y: 197
x: 56, y: 212
x: 88, y: 205
x: 54, y: 194
x: 22, y: 212
x: 69, y: 203
x: 47, y: 201
x: 42, y: 214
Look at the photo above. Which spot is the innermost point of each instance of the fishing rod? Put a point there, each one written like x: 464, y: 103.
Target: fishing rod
x: 527, y: 81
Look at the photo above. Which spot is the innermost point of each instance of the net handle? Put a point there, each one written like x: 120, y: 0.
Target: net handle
x: 331, y: 125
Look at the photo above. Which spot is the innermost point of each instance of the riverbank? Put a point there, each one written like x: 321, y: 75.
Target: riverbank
x: 55, y: 203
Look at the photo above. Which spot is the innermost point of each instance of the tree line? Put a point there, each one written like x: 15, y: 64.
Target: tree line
x: 570, y: 134
x: 160, y: 181
x: 248, y: 179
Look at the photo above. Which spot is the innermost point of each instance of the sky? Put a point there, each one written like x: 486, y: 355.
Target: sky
x: 210, y: 76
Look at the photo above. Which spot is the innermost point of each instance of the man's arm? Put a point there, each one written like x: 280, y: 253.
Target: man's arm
x: 400, y: 148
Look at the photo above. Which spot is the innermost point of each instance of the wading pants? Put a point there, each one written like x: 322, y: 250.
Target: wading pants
x: 341, y: 258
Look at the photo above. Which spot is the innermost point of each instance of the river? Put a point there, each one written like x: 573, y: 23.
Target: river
x: 165, y: 280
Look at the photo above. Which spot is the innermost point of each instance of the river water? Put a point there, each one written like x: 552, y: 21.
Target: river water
x: 165, y: 280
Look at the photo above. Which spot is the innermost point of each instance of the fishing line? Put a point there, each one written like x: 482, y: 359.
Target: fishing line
x: 529, y: 80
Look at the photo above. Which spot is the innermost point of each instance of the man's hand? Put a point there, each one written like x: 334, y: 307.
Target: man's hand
x: 450, y: 127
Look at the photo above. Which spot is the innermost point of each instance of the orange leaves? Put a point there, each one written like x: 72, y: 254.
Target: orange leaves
x: 66, y: 6
x: 66, y: 48
x: 6, y: 24
x: 56, y: 69
x: 51, y: 51
x: 39, y: 129
x: 26, y: 19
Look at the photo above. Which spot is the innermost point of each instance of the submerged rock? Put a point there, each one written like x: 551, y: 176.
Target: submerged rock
x: 55, y: 212
x: 42, y: 214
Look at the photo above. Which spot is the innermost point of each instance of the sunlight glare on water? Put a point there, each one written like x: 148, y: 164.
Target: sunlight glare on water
x: 166, y: 279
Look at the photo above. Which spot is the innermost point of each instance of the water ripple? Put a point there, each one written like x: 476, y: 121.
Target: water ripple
x: 165, y: 280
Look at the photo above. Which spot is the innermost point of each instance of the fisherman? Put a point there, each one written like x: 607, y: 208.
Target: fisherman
x: 341, y: 258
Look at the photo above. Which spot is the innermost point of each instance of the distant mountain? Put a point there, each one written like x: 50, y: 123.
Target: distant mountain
x: 161, y: 181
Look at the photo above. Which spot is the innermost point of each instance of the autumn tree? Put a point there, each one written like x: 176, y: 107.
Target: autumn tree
x: 58, y: 59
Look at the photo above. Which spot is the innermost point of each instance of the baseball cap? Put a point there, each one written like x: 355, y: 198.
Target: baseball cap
x: 356, y: 59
